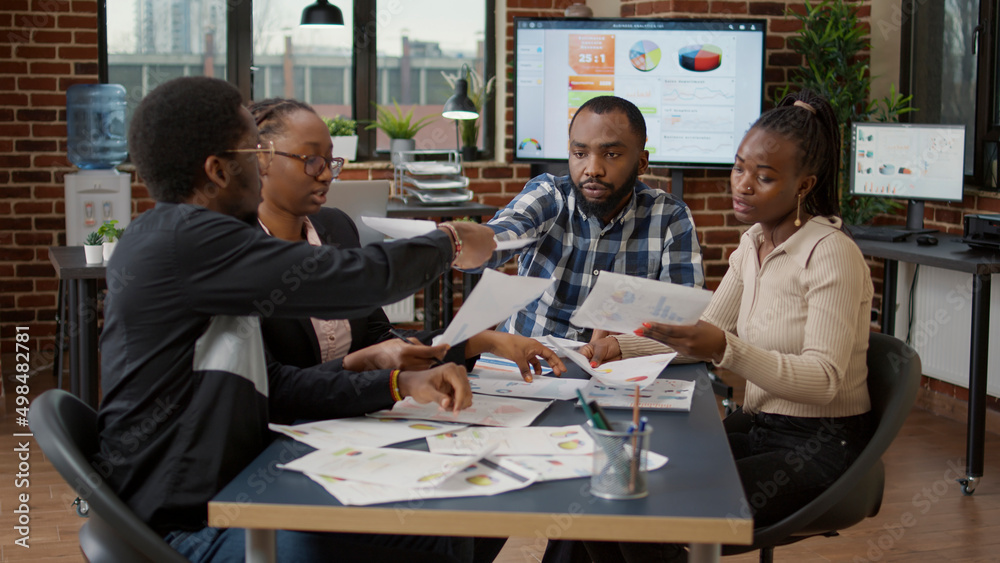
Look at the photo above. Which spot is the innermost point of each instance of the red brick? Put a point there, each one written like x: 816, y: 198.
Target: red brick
x: 50, y: 223
x: 85, y: 37
x: 644, y: 8
x: 50, y: 6
x: 49, y: 67
x: 690, y: 7
x: 722, y: 236
x: 34, y: 52
x: 785, y: 25
x: 30, y: 176
x: 774, y: 42
x: 39, y: 100
x: 84, y: 6
x: 990, y: 204
x: 13, y: 67
x: 486, y: 187
x: 36, y: 83
x: 14, y: 129
x: 51, y: 37
x: 784, y: 59
x: 16, y: 255
x: 729, y: 7
x: 85, y: 68
x: 78, y: 53
x: 767, y: 8
x: 719, y: 203
x: 627, y: 10
x: 48, y: 160
x: 709, y: 220
x: 497, y: 173
x: 33, y: 239
x: 77, y: 22
x: 32, y: 145
x: 48, y: 129
x: 33, y: 301
x: 15, y: 160
x: 36, y: 115
x: 715, y: 270
x: 17, y: 315
x: 33, y: 208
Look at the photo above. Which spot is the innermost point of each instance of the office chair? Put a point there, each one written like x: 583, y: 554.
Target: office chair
x: 893, y: 379
x: 66, y: 430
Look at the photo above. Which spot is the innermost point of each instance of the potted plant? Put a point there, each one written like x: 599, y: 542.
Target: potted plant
x: 110, y: 234
x: 93, y: 248
x: 400, y: 127
x: 344, y: 134
x: 831, y: 42
x: 480, y: 93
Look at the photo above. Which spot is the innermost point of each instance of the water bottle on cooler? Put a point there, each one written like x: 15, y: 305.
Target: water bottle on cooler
x: 95, y: 125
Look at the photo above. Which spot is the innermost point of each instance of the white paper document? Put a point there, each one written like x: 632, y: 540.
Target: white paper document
x: 621, y: 303
x: 556, y: 467
x: 372, y: 432
x: 641, y: 371
x: 493, y: 375
x: 563, y: 344
x: 496, y: 297
x: 400, y: 228
x: 515, y: 243
x: 495, y: 367
x: 384, y: 466
x: 535, y: 440
x: 486, y: 410
x: 486, y: 477
x: 663, y: 394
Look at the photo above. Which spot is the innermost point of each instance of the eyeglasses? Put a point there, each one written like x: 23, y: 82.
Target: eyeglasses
x: 264, y: 151
x: 316, y: 164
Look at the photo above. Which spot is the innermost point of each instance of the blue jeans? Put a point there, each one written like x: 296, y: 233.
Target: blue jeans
x: 783, y: 461
x: 218, y: 545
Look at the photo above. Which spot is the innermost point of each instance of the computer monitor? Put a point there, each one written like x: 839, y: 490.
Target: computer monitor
x: 909, y: 161
x: 699, y: 83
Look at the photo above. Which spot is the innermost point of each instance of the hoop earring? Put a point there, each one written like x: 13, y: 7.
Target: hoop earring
x: 798, y: 212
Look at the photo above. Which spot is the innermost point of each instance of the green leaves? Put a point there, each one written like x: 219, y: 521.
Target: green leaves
x: 396, y: 124
x: 94, y: 239
x: 340, y: 126
x: 108, y: 231
x: 834, y: 46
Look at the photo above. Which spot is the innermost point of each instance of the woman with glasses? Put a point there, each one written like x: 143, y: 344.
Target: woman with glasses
x: 294, y: 187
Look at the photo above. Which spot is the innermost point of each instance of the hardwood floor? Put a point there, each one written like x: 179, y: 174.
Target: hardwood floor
x: 924, y: 516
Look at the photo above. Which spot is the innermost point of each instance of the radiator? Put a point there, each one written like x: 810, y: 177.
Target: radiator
x: 401, y: 311
x: 942, y: 323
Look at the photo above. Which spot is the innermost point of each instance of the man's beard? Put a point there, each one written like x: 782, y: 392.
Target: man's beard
x: 602, y: 208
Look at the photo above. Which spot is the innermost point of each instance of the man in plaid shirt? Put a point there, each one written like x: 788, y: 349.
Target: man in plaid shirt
x: 599, y: 218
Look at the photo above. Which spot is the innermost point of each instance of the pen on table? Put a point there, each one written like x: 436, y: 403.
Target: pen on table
x: 634, y: 462
x: 403, y: 337
x: 601, y: 420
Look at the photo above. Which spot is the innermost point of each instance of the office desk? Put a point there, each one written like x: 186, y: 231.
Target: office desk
x: 71, y: 265
x: 696, y: 498
x: 438, y: 313
x: 950, y: 254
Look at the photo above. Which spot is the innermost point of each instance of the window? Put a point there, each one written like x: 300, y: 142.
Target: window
x: 387, y: 49
x: 950, y: 51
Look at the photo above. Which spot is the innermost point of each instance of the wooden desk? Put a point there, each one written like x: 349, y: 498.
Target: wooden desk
x: 696, y: 498
x: 950, y: 254
x: 439, y: 312
x: 71, y: 265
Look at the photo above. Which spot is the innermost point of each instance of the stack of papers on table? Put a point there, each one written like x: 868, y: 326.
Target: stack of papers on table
x: 486, y: 410
x: 641, y: 371
x: 663, y: 394
x: 500, y: 376
x: 536, y: 440
x: 374, y: 432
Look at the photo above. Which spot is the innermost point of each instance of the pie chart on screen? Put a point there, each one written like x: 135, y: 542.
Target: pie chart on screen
x: 645, y: 55
x: 700, y: 58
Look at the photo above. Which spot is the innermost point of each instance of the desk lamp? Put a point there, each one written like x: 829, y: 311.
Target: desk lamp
x: 459, y: 106
x: 322, y: 13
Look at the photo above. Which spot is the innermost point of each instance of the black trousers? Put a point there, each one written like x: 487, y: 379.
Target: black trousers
x: 783, y: 461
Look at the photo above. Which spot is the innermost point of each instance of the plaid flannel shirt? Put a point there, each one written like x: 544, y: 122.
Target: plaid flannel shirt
x: 652, y: 237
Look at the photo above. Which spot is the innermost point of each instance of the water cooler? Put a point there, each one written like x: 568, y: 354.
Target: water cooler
x: 95, y: 127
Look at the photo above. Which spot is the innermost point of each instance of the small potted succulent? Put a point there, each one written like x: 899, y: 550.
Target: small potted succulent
x: 93, y: 248
x: 344, y: 134
x: 110, y: 234
x: 399, y: 126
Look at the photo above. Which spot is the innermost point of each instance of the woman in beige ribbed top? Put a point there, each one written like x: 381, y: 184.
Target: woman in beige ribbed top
x: 791, y: 316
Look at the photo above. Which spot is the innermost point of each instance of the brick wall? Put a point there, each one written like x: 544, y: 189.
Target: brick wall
x: 51, y: 44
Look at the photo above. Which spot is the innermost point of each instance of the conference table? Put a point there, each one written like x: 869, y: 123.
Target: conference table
x: 696, y: 498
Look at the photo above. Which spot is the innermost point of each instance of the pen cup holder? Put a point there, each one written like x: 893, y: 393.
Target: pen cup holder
x: 619, y: 470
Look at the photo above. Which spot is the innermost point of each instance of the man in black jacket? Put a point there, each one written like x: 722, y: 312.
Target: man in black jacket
x: 187, y: 389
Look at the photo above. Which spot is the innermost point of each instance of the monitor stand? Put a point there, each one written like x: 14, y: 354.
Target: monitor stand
x: 915, y: 218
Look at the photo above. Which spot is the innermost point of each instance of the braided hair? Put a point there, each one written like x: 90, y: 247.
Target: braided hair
x: 817, y: 134
x: 270, y: 114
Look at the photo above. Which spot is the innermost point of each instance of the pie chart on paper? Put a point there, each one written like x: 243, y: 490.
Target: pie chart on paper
x: 700, y: 58
x: 645, y: 55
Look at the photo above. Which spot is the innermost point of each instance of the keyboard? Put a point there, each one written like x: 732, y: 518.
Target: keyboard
x: 879, y: 232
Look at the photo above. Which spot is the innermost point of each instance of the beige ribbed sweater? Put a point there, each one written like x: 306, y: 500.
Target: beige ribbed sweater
x: 796, y: 325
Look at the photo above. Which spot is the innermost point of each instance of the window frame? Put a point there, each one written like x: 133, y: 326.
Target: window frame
x: 987, y: 75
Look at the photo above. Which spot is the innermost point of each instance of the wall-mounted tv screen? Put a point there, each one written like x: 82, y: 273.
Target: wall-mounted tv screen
x: 699, y: 83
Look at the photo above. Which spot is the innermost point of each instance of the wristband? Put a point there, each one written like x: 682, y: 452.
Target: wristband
x: 457, y: 240
x: 394, y: 386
